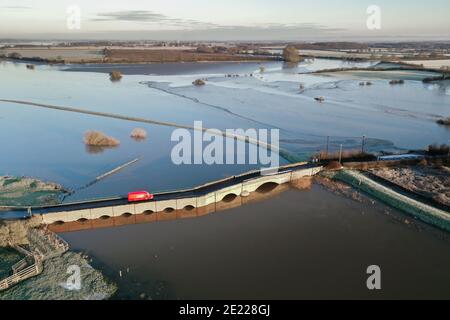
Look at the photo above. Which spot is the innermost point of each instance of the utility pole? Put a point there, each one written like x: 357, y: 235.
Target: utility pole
x: 340, y: 154
x: 363, y: 144
x: 326, y: 150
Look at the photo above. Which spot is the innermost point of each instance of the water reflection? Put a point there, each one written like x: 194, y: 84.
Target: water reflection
x: 264, y: 192
x: 98, y: 149
x: 290, y: 65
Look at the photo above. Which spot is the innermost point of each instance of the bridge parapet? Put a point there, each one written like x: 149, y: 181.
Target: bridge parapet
x: 164, y: 209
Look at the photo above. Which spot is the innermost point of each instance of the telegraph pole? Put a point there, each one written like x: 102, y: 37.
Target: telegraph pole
x: 363, y: 144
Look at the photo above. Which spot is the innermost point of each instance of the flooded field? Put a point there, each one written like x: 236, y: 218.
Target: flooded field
x: 288, y: 244
x: 48, y: 144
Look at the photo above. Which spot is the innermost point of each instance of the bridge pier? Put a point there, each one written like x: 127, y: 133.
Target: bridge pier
x: 97, y: 213
x: 224, y: 198
x: 145, y: 208
x: 120, y: 210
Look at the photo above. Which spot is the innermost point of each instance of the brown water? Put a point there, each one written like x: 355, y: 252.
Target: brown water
x: 296, y: 245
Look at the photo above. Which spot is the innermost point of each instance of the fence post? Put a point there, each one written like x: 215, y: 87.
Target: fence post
x: 340, y: 154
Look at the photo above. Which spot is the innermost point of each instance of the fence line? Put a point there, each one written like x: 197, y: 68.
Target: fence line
x: 22, y: 275
x: 20, y: 270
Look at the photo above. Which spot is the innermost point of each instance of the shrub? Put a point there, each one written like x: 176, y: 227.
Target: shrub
x: 9, y: 181
x: 139, y: 134
x: 199, y: 82
x: 99, y: 139
x: 392, y: 82
x: 319, y: 99
x: 115, y: 76
x: 438, y: 150
x: 333, y: 165
x: 444, y: 122
x: 205, y: 49
x: 15, y: 55
x: 290, y: 54
x: 346, y: 155
x: 423, y: 163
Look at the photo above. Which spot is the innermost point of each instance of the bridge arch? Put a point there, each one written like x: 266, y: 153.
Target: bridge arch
x: 105, y: 217
x: 82, y: 220
x: 168, y: 210
x: 189, y: 208
x: 230, y: 197
x: 267, y: 187
x: 126, y: 215
x: 148, y: 212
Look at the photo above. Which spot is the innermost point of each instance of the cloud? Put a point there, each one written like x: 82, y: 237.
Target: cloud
x: 150, y: 17
x: 149, y: 25
x: 271, y: 32
x: 193, y: 29
x: 16, y: 7
x: 132, y: 15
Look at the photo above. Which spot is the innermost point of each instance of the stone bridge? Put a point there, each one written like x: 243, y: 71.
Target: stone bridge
x: 201, y: 197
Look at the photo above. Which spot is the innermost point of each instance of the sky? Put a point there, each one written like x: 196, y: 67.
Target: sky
x: 284, y: 20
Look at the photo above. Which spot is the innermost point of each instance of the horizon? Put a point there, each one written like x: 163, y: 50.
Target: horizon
x: 199, y: 20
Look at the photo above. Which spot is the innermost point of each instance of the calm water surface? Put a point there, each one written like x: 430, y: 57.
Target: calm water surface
x: 48, y: 144
x: 298, y: 244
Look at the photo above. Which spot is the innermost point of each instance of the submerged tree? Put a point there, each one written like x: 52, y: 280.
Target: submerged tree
x: 99, y: 139
x: 139, y: 134
x: 290, y: 54
x: 115, y: 76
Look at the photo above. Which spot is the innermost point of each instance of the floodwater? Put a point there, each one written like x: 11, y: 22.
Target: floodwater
x: 292, y: 245
x: 295, y: 244
x: 48, y: 144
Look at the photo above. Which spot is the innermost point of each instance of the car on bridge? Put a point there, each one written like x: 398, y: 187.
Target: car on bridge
x: 140, y: 196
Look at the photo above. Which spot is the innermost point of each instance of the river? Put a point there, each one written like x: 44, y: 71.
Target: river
x: 293, y: 245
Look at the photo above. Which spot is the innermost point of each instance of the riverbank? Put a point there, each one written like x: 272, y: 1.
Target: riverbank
x: 429, y: 74
x: 25, y: 191
x: 432, y: 182
x: 407, y: 203
x: 48, y: 271
x: 54, y: 283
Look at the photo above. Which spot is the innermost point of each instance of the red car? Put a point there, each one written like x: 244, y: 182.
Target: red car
x: 139, y: 196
